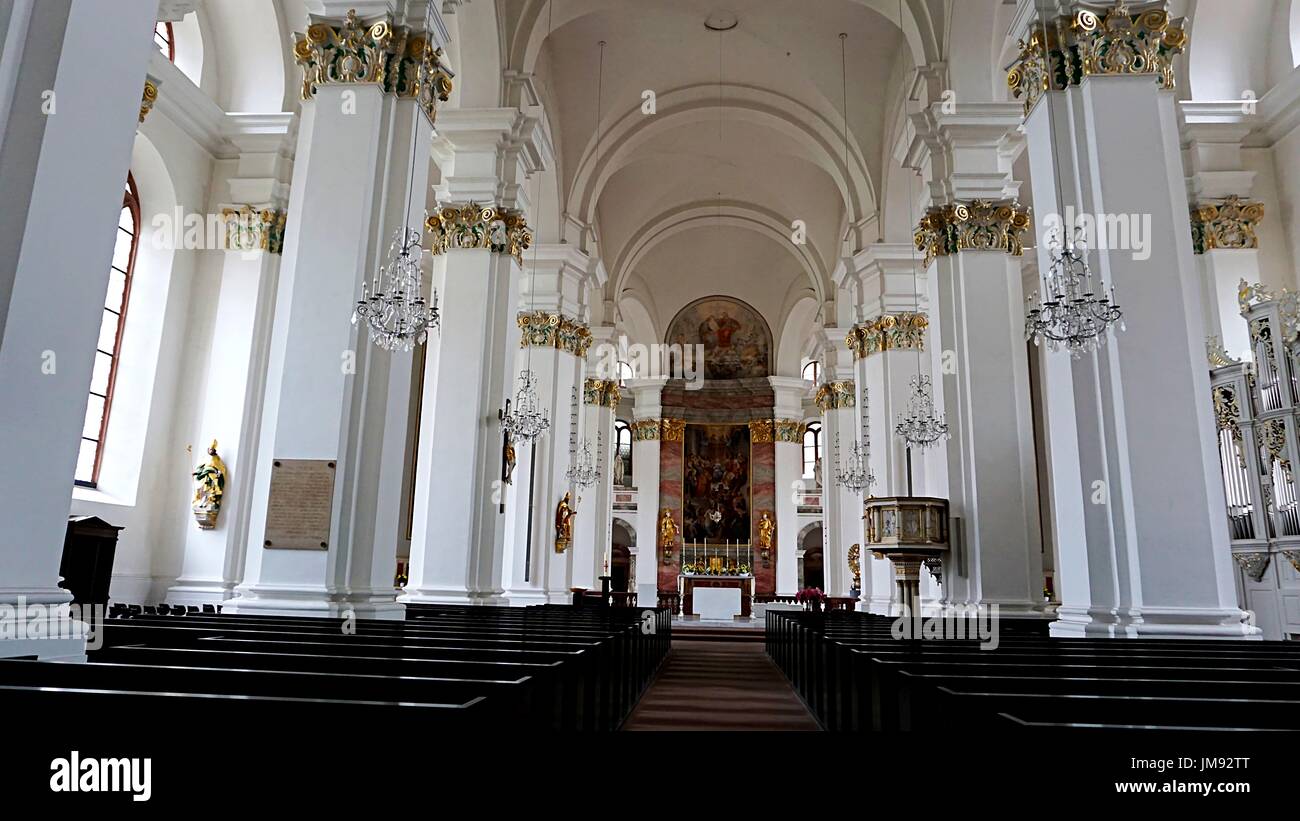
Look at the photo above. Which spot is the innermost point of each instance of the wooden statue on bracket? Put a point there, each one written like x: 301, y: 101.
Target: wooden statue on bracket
x: 210, y: 486
x: 667, y: 535
x: 564, y: 513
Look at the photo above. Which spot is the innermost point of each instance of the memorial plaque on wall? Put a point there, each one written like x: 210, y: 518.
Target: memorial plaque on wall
x: 302, y: 497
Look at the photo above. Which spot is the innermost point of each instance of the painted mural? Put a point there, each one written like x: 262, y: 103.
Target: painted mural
x: 737, y: 342
x: 716, y: 483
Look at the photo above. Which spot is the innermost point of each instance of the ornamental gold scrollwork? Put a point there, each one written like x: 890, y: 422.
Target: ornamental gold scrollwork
x: 760, y: 431
x: 1227, y: 416
x: 1253, y: 565
x: 148, y: 98
x: 1229, y: 223
x: 888, y: 332
x: 834, y: 395
x: 499, y: 230
x: 1270, y: 434
x: 788, y: 430
x: 546, y: 330
x: 980, y: 225
x: 644, y: 430
x: 674, y: 430
x: 249, y: 228
x: 1216, y: 354
x: 1084, y: 44
x: 603, y: 392
x: 1293, y: 556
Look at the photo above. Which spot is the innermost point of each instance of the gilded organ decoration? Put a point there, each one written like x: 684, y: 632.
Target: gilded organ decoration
x: 1253, y: 565
x: 888, y: 332
x: 1228, y: 223
x: 249, y: 228
x: 1270, y: 434
x: 546, y: 330
x: 834, y: 395
x: 499, y: 230
x: 603, y: 392
x: 979, y: 225
x: 1216, y: 354
x: 1085, y: 44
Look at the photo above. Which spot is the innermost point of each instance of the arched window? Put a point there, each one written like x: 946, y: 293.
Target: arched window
x: 810, y: 371
x: 109, y: 347
x: 812, y: 448
x: 624, y: 372
x: 623, y: 450
x: 165, y: 39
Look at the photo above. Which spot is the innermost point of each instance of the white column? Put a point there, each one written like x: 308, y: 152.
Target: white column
x: 333, y: 396
x: 647, y: 395
x: 996, y: 555
x: 788, y: 393
x: 1137, y: 496
x: 838, y: 398
x: 600, y: 397
x: 458, y: 539
x: 71, y: 76
x: 213, y: 560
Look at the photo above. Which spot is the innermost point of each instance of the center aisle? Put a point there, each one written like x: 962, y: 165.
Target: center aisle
x: 719, y: 685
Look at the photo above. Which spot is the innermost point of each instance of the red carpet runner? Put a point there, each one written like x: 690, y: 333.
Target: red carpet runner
x: 719, y: 685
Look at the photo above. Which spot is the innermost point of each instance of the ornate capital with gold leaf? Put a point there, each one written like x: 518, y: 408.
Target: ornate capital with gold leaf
x: 602, y: 392
x: 499, y: 230
x: 788, y: 430
x: 545, y: 330
x: 1228, y: 223
x: 888, y: 332
x: 835, y: 395
x: 760, y: 431
x: 674, y: 430
x: 350, y: 52
x: 980, y: 225
x: 1112, y: 40
x: 149, y: 97
x: 249, y: 228
x: 644, y: 430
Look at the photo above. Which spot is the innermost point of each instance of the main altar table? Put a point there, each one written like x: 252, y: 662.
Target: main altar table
x: 716, y: 596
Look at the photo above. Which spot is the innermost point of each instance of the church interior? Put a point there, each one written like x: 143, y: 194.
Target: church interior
x: 540, y: 366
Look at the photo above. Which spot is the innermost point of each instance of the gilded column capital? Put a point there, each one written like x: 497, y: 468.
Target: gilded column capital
x: 499, y: 230
x: 788, y: 430
x: 149, y: 97
x: 1226, y: 223
x: 547, y: 330
x: 1089, y: 42
x: 350, y: 52
x: 888, y: 332
x: 978, y: 225
x: 835, y: 395
x: 603, y: 392
x: 250, y: 228
x: 674, y: 430
x: 645, y: 430
x: 761, y: 430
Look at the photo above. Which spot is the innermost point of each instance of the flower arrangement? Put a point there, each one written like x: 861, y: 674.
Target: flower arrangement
x: 812, y: 597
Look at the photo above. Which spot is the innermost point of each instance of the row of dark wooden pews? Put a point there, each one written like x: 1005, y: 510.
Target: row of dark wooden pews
x: 552, y: 668
x: 853, y: 674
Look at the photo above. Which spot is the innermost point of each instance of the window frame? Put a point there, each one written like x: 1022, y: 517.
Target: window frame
x: 170, y: 37
x: 131, y: 201
x: 813, y: 429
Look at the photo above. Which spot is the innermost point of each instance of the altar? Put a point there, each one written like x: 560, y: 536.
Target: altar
x: 713, y: 596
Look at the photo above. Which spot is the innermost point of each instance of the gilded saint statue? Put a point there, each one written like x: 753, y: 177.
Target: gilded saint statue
x: 855, y: 567
x: 766, y: 533
x: 667, y: 535
x: 564, y: 513
x: 210, y: 485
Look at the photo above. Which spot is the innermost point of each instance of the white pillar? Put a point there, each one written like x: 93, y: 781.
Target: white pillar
x: 213, y: 560
x: 838, y: 398
x: 647, y: 410
x: 65, y: 67
x: 332, y: 396
x: 1137, y: 496
x: 458, y: 539
x: 996, y: 554
x: 787, y: 411
x: 600, y: 397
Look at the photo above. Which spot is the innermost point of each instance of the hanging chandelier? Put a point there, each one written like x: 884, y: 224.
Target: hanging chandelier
x: 526, y: 421
x: 921, y: 427
x: 1069, y: 312
x: 856, y: 475
x: 582, y: 470
x: 392, y: 305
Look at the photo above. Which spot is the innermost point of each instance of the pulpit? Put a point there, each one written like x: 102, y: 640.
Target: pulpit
x: 717, y: 596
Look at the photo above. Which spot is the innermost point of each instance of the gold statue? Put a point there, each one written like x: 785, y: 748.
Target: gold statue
x: 211, y: 485
x: 766, y: 532
x: 564, y: 514
x: 667, y: 535
x: 509, y: 454
x: 855, y: 551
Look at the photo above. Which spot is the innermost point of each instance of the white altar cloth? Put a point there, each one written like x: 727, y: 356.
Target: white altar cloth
x: 716, y: 602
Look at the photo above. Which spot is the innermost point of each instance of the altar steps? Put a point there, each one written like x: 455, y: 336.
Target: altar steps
x: 684, y: 631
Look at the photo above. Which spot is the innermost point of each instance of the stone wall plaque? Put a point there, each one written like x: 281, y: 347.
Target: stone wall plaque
x: 302, y: 498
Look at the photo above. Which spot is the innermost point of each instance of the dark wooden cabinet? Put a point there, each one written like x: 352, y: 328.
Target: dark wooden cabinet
x: 87, y: 566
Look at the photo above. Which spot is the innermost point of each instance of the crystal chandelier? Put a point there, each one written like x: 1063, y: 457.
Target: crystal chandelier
x: 583, y: 471
x: 392, y: 305
x: 1068, y: 312
x: 856, y: 475
x: 921, y: 427
x: 526, y: 420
